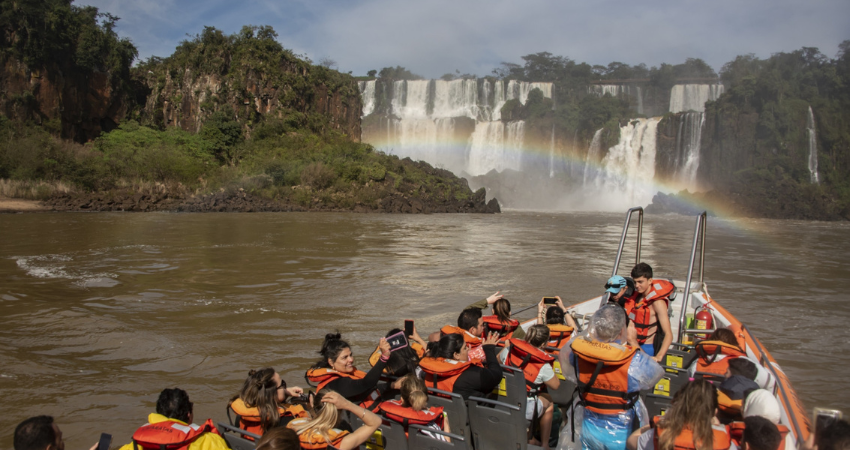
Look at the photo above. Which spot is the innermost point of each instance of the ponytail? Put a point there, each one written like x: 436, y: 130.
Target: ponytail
x: 414, y: 393
x: 332, y: 346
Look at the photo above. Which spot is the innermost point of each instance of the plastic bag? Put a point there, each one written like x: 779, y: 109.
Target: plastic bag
x: 565, y: 441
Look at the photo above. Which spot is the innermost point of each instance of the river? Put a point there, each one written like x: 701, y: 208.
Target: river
x: 102, y: 311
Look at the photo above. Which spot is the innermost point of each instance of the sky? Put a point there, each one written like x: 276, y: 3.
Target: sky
x: 434, y: 37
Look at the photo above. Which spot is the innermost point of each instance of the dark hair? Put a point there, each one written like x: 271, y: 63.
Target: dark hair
x: 260, y: 391
x: 468, y: 318
x: 537, y: 335
x: 835, y: 436
x: 555, y: 316
x: 743, y: 367
x: 279, y: 438
x: 403, y: 360
x: 174, y: 404
x: 332, y: 346
x: 35, y: 433
x: 760, y: 434
x: 642, y: 270
x: 502, y: 309
x: 724, y: 335
x: 447, y: 346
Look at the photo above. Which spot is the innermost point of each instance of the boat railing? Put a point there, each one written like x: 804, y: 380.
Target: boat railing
x: 699, y: 239
x: 639, y: 210
x: 765, y: 361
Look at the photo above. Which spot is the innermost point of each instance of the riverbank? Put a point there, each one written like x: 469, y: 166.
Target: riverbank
x: 9, y: 205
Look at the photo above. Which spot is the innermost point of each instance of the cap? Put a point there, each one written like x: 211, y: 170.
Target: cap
x: 615, y: 283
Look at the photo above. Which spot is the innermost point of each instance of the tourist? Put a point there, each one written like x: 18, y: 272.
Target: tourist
x: 762, y: 403
x: 413, y: 408
x: 470, y: 326
x: 561, y: 325
x: 731, y: 395
x: 404, y: 360
x: 448, y: 366
x: 608, y: 416
x: 715, y: 352
x: 280, y: 438
x: 689, y: 420
x: 647, y: 308
x: 537, y: 368
x: 336, y: 371
x: 499, y: 319
x: 619, y: 290
x: 322, y: 430
x: 760, y: 434
x: 262, y: 403
x: 39, y: 433
x: 172, y: 423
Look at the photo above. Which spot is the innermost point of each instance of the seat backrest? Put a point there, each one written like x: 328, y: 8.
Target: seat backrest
x: 680, y: 358
x: 455, y: 408
x: 389, y: 436
x: 563, y: 396
x: 670, y: 383
x: 512, y: 388
x: 657, y: 405
x: 497, y: 425
x: 235, y: 437
x: 421, y: 441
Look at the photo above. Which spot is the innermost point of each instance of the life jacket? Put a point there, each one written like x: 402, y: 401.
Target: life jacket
x: 603, y: 375
x: 376, y: 355
x: 505, y: 330
x: 685, y: 440
x: 170, y: 435
x: 708, y: 351
x: 393, y: 410
x: 559, y: 335
x: 441, y: 373
x: 729, y: 406
x: 476, y: 350
x: 530, y: 359
x: 323, y: 376
x: 736, y: 432
x: 315, y: 441
x: 640, y: 312
x: 248, y: 419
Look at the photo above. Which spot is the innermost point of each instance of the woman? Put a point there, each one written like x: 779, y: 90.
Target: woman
x: 279, y: 439
x: 500, y: 322
x: 261, y: 404
x: 413, y: 408
x: 716, y: 352
x: 404, y: 360
x: 322, y: 431
x: 689, y: 424
x: 447, y: 366
x: 336, y: 371
x: 537, y: 368
x: 561, y: 325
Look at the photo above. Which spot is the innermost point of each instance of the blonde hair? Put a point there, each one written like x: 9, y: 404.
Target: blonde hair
x: 325, y: 417
x: 693, y: 408
x: 537, y: 335
x: 414, y: 393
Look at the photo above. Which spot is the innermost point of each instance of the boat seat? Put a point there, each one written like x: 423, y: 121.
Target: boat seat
x: 657, y: 405
x: 681, y: 358
x: 496, y: 424
x: 455, y: 408
x: 420, y: 441
x: 389, y: 436
x: 512, y: 388
x: 673, y: 379
x: 235, y: 437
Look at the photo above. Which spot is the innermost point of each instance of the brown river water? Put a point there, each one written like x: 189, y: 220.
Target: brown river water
x: 102, y: 311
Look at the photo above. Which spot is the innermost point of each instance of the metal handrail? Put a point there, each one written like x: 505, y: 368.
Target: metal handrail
x: 699, y: 237
x: 623, y: 237
x: 769, y: 366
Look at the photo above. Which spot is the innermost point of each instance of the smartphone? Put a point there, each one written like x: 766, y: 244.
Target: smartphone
x: 823, y: 418
x: 550, y: 300
x: 397, y: 341
x: 408, y: 327
x: 104, y: 442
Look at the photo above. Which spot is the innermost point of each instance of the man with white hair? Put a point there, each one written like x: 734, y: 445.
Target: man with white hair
x: 610, y: 370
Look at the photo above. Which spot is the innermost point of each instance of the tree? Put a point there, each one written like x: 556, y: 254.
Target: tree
x: 327, y: 62
x: 372, y: 73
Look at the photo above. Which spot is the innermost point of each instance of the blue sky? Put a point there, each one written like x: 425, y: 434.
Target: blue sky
x: 433, y: 37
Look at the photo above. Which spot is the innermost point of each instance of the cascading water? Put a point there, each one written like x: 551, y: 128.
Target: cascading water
x: 592, y: 155
x: 692, y: 97
x: 813, y: 147
x: 688, y: 151
x: 495, y: 145
x: 617, y: 90
x: 367, y: 94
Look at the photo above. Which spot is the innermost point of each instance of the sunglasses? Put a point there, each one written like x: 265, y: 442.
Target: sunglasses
x: 609, y: 286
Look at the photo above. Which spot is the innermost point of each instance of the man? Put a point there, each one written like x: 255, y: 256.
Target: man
x: 172, y: 424
x: 470, y: 325
x: 760, y: 434
x: 38, y: 433
x: 617, y: 287
x: 648, y: 309
x: 610, y: 376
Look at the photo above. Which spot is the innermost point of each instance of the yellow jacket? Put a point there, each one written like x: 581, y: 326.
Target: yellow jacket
x: 207, y: 441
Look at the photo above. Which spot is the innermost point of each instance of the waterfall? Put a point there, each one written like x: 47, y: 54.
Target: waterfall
x: 552, y: 154
x: 813, y: 147
x: 367, y: 94
x: 616, y: 90
x: 692, y: 97
x: 592, y: 155
x: 456, y: 98
x: 690, y: 134
x: 494, y: 145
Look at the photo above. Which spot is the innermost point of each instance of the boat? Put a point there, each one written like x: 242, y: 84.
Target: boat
x: 693, y: 294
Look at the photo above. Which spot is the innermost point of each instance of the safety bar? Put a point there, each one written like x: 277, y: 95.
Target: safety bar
x: 699, y: 238
x: 511, y: 369
x: 443, y: 393
x: 698, y: 331
x: 769, y: 366
x: 440, y: 432
x: 238, y: 430
x: 623, y: 237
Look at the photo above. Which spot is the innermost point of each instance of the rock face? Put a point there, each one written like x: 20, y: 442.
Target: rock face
x: 73, y: 104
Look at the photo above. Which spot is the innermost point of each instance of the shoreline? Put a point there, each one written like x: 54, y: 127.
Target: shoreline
x: 19, y: 205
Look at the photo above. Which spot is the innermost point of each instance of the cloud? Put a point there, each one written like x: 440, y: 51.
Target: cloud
x: 474, y: 36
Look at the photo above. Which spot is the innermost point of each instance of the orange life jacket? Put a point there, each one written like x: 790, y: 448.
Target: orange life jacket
x: 603, y: 375
x: 559, y: 335
x: 170, y: 435
x: 248, y: 419
x: 685, y: 440
x: 729, y: 406
x: 708, y: 352
x: 405, y: 415
x: 441, y: 373
x: 736, y: 432
x: 640, y: 312
x: 323, y: 376
x: 376, y: 355
x: 476, y: 348
x: 315, y: 441
x: 530, y: 359
x: 505, y: 330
